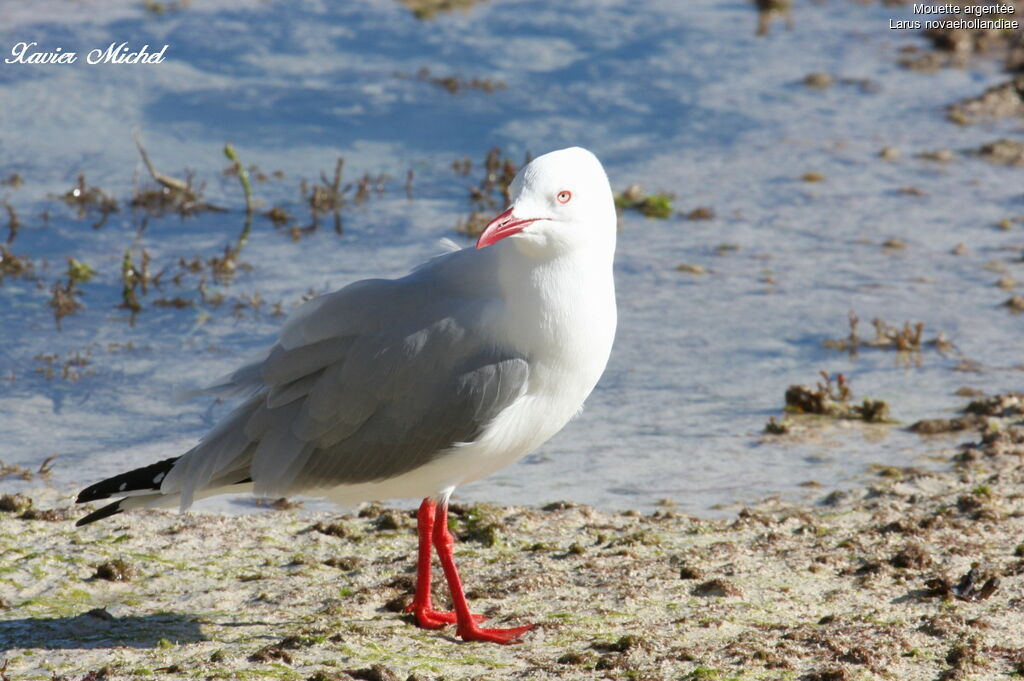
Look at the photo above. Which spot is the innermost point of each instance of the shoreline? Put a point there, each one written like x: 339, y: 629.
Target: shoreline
x: 876, y: 582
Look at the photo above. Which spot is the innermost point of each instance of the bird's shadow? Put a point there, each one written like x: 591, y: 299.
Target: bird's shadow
x: 99, y: 629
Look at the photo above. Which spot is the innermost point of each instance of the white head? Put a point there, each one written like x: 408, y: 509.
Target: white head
x: 561, y: 201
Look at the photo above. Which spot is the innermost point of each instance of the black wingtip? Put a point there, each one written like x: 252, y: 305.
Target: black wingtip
x: 145, y: 478
x: 94, y: 492
x: 87, y: 494
x: 100, y: 514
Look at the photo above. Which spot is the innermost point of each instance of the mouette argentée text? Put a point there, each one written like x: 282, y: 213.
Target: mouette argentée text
x: 975, y: 10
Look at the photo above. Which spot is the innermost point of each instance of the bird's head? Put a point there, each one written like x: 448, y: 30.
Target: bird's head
x: 560, y: 201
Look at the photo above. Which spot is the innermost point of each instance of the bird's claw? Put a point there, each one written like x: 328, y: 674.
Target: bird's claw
x: 505, y: 636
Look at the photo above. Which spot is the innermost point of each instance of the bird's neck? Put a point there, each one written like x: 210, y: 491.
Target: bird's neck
x: 562, y: 306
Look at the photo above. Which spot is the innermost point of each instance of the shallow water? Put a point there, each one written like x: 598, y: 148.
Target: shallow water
x: 679, y: 97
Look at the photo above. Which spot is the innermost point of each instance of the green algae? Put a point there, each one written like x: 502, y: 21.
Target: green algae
x: 599, y: 595
x: 658, y: 205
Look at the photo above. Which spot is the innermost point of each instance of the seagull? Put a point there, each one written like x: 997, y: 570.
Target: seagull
x: 410, y: 387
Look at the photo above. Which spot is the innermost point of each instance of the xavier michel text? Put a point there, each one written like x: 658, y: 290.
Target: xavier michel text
x: 25, y: 53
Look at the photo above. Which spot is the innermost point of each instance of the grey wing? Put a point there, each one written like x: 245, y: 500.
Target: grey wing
x: 411, y: 425
x: 350, y: 395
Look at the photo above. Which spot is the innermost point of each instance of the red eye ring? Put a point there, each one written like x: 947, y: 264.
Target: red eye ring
x: 564, y: 196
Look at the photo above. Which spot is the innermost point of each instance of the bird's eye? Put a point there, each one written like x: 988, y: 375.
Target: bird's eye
x: 564, y: 196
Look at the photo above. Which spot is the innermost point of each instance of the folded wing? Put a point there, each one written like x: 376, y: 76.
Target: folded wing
x: 365, y: 384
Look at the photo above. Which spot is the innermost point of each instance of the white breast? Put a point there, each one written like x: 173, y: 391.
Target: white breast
x: 563, y: 322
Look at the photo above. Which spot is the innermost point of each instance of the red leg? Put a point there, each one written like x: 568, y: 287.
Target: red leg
x: 421, y: 606
x: 466, y: 626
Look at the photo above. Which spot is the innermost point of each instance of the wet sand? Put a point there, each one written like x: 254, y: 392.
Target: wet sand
x: 870, y: 583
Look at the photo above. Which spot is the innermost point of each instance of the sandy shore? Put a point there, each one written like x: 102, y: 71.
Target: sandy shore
x: 868, y: 584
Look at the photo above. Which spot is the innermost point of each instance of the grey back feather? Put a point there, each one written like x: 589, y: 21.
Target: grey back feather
x: 351, y: 395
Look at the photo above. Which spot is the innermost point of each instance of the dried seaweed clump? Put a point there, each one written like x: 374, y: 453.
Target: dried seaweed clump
x: 1005, y: 405
x: 999, y: 101
x: 428, y: 9
x: 64, y: 296
x: 132, y: 278
x: 955, y: 46
x: 13, y: 470
x: 70, y: 369
x: 701, y: 213
x: 908, y: 338
x: 473, y: 224
x: 116, y: 570
x: 171, y: 195
x: 158, y: 8
x: 768, y: 10
x: 457, y: 84
x: 965, y: 42
x: 329, y: 197
x: 13, y: 222
x: 87, y: 200
x: 1004, y: 152
x: 1014, y: 304
x: 326, y: 198
x: 976, y: 585
x: 976, y: 415
x: 14, y: 180
x: 479, y: 523
x: 833, y: 399
x: 490, y: 193
x: 13, y: 503
x: 12, y: 265
x: 819, y: 80
x: 780, y: 427
x: 184, y: 200
x: 953, y: 425
x: 499, y: 171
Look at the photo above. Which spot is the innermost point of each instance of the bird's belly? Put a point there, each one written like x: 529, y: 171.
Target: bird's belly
x: 557, y: 389
x: 517, y: 431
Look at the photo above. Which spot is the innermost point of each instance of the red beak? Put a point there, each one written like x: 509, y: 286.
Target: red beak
x: 500, y: 227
